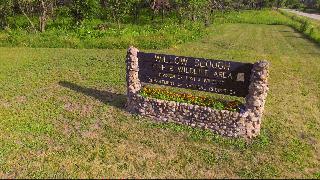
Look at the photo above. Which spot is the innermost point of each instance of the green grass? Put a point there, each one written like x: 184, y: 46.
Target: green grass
x: 307, y: 26
x: 62, y: 115
x: 251, y: 17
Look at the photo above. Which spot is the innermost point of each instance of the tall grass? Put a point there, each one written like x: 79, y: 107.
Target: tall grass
x: 147, y: 35
x: 251, y: 17
x: 60, y: 33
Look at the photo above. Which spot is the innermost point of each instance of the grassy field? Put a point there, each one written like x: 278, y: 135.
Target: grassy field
x: 62, y: 116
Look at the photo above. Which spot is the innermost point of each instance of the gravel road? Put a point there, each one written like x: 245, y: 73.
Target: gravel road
x: 313, y: 16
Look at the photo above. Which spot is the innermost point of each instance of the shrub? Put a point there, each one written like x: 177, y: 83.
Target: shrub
x: 218, y: 104
x: 5, y: 12
x: 83, y: 9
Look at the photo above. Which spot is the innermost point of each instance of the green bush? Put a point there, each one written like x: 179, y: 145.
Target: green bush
x: 83, y: 9
x: 5, y: 12
x: 219, y: 104
x: 88, y: 36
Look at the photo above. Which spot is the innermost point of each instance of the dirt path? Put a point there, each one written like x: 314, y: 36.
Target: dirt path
x: 313, y: 16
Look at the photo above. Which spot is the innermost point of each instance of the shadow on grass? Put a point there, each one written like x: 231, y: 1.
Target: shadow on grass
x: 314, y: 54
x: 106, y: 97
x: 298, y: 34
x: 299, y: 37
x: 285, y: 31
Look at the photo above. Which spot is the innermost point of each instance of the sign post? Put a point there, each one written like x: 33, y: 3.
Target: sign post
x: 216, y: 76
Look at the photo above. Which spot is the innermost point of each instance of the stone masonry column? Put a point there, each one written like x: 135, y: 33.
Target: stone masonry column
x: 255, y: 100
x: 133, y: 82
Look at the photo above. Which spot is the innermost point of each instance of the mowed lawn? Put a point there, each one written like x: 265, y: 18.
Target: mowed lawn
x: 62, y: 115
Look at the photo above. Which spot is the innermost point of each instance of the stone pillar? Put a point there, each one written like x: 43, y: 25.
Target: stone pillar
x: 256, y: 99
x: 133, y: 82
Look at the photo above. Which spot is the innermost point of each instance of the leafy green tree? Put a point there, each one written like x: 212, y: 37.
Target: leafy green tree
x: 43, y: 9
x: 26, y: 8
x: 5, y: 11
x: 294, y: 4
x: 180, y: 7
x: 318, y: 4
x: 198, y: 9
x: 136, y: 7
x: 119, y: 9
x: 84, y: 9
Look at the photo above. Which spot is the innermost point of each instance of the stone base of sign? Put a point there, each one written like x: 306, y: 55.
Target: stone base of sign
x: 231, y: 124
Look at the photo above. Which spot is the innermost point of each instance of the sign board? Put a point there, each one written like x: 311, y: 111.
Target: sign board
x: 216, y: 76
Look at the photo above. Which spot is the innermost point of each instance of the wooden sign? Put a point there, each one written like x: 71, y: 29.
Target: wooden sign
x: 216, y: 76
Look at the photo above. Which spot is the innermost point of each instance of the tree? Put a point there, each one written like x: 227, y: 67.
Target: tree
x: 198, y: 9
x: 46, y: 9
x: 43, y: 9
x: 5, y: 11
x: 26, y: 8
x: 119, y: 9
x: 180, y: 6
x: 295, y: 4
x: 136, y: 6
x: 83, y: 9
x: 318, y: 4
x: 160, y: 6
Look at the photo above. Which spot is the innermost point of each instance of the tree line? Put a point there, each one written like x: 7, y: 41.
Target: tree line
x: 119, y: 10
